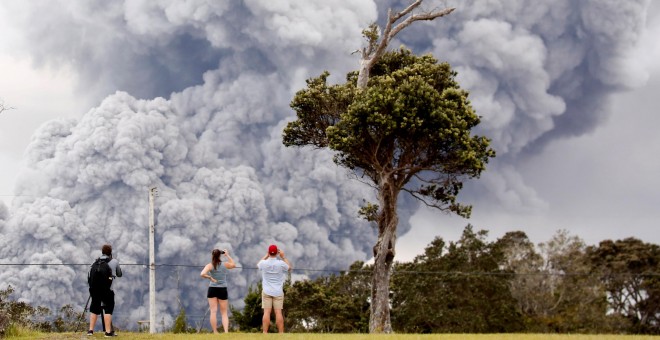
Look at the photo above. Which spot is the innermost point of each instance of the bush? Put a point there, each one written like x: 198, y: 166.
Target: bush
x: 13, y: 313
x: 180, y: 325
x: 249, y: 319
x: 4, y: 323
x: 68, y: 320
x: 17, y: 317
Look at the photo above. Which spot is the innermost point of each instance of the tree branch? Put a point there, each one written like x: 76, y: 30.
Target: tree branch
x: 419, y: 17
x: 421, y: 199
x: 370, y: 55
x: 5, y: 108
x: 390, y: 32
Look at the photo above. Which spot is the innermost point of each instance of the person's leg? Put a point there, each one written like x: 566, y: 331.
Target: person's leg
x: 225, y: 317
x: 107, y: 317
x: 213, y: 307
x: 279, y: 320
x: 278, y: 305
x: 92, y: 320
x: 265, y: 321
x: 94, y: 310
x: 267, y: 305
x: 108, y: 307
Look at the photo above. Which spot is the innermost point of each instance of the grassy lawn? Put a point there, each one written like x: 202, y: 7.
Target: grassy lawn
x: 305, y: 336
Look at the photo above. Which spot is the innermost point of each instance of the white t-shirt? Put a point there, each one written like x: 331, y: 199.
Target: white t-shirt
x: 273, y: 274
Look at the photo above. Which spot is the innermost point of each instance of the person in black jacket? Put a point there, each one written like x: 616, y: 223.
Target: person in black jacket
x: 103, y: 299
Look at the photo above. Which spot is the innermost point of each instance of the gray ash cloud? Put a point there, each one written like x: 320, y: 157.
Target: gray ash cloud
x: 193, y: 99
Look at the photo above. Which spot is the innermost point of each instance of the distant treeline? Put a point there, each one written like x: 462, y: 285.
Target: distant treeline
x: 468, y: 286
x: 475, y: 286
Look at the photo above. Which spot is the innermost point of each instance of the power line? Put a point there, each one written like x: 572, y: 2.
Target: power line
x: 394, y: 271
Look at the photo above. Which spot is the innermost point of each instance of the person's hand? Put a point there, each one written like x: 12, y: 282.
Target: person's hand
x: 226, y: 252
x: 213, y: 280
x: 281, y: 253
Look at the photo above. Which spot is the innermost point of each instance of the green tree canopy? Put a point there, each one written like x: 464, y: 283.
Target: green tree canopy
x: 249, y: 319
x: 456, y: 287
x: 409, y: 129
x: 629, y: 270
x: 411, y: 124
x: 553, y: 287
x: 331, y: 304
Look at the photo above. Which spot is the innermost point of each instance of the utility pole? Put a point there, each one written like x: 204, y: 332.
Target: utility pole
x: 152, y: 262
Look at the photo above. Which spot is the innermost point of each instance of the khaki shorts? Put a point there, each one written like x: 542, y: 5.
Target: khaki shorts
x: 268, y: 302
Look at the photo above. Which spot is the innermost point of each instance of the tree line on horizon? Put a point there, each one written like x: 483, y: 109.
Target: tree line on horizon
x: 475, y: 286
x: 471, y: 285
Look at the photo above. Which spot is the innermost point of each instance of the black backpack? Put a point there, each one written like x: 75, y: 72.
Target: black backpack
x: 100, y: 275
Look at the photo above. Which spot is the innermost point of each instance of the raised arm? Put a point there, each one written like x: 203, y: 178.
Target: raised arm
x: 285, y: 260
x: 263, y: 259
x: 230, y: 262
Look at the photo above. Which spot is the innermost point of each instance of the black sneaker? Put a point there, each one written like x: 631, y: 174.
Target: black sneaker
x: 90, y: 333
x: 111, y: 334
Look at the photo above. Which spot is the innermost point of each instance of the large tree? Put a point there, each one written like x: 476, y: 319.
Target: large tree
x: 408, y: 130
x: 629, y: 269
x: 455, y: 288
x: 552, y: 287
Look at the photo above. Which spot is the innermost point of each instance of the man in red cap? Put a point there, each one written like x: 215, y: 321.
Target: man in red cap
x: 273, y: 274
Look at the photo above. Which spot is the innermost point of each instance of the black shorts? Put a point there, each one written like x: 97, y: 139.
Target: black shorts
x: 106, y: 297
x: 217, y: 292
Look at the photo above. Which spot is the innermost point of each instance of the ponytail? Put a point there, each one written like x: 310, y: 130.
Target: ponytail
x: 215, y: 258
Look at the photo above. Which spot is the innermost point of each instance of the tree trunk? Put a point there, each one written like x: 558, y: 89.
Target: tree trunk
x: 379, y: 320
x: 363, y: 75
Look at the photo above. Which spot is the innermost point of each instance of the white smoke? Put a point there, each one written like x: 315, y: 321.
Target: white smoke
x: 211, y: 143
x: 213, y: 150
x: 4, y: 215
x: 536, y: 72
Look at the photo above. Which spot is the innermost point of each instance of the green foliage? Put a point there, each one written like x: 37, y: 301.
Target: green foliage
x: 369, y: 211
x: 629, y: 270
x: 465, y: 299
x: 249, y: 319
x: 331, y: 304
x: 4, y: 323
x: 180, y: 324
x: 371, y: 34
x: 19, y: 317
x: 409, y: 129
x: 554, y: 288
x: 15, y: 314
x: 411, y: 122
x: 67, y: 320
x: 318, y: 107
x: 468, y: 286
x: 13, y: 330
x: 412, y: 119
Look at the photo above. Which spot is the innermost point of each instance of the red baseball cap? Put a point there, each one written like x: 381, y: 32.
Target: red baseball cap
x: 272, y: 249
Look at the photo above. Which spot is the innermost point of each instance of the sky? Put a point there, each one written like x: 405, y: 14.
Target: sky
x: 111, y: 98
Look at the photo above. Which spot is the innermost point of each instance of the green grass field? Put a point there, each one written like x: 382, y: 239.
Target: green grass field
x: 307, y: 336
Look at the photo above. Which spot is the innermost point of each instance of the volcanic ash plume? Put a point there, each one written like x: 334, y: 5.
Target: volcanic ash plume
x: 204, y: 94
x: 536, y: 72
x: 214, y: 152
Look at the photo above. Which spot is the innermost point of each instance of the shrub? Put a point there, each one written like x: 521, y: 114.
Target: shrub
x: 180, y: 325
